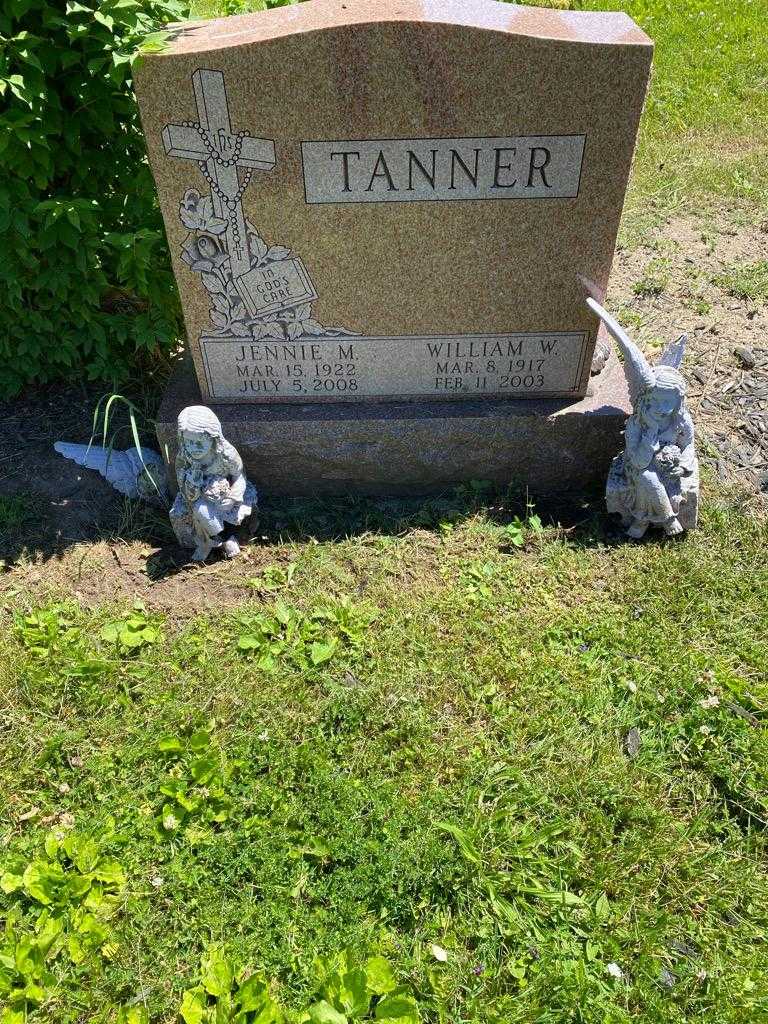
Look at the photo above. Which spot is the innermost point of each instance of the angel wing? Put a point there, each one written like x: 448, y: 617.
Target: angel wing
x: 638, y: 370
x: 674, y: 352
x: 117, y: 468
x: 151, y: 479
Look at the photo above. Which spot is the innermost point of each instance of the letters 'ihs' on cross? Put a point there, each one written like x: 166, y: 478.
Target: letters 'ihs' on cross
x: 219, y: 152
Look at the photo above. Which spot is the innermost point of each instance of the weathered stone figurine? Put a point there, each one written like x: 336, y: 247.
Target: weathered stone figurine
x: 213, y: 490
x: 655, y: 481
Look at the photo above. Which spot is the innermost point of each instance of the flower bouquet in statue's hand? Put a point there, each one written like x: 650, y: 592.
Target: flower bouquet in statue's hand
x: 668, y: 461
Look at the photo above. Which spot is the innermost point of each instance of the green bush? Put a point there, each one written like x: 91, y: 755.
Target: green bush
x: 224, y: 8
x: 85, y: 282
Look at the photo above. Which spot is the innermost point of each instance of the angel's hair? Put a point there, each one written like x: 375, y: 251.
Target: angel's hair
x: 669, y: 379
x: 199, y: 419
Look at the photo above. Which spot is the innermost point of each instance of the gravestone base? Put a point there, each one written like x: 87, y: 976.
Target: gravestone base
x: 403, y: 449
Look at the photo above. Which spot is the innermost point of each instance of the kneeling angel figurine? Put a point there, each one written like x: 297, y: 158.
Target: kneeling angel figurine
x: 213, y: 491
x: 655, y: 481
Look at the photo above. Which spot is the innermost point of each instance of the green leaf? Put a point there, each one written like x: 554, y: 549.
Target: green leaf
x: 468, y: 849
x: 324, y: 1013
x: 555, y: 896
x: 248, y: 642
x: 132, y: 1015
x: 315, y: 848
x: 602, y: 907
x: 380, y: 978
x: 223, y: 1011
x: 355, y: 996
x: 321, y: 652
x: 10, y: 1016
x: 283, y: 613
x: 82, y: 851
x: 169, y: 744
x: 137, y: 634
x: 253, y: 997
x: 188, y: 802
x: 11, y: 882
x: 153, y: 42
x: 75, y: 949
x: 251, y: 993
x: 192, y: 1009
x: 203, y: 769
x: 401, y: 1008
x: 216, y: 974
x: 76, y: 885
x: 110, y: 871
x: 42, y: 881
x: 269, y: 1014
x: 111, y: 632
x: 346, y: 988
x: 28, y: 959
x: 34, y: 993
x: 200, y: 740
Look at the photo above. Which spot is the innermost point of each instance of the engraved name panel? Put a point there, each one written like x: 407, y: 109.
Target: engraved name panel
x: 348, y: 368
x: 423, y: 170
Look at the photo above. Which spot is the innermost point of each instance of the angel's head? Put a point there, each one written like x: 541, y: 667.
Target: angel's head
x: 200, y: 434
x: 664, y: 398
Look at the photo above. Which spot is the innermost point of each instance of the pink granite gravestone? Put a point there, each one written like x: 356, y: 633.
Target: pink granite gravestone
x: 380, y: 216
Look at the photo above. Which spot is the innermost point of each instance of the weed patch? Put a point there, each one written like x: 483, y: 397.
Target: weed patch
x: 654, y: 280
x: 14, y: 510
x: 304, y: 640
x: 746, y: 281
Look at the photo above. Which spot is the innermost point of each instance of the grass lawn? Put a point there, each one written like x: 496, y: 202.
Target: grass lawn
x: 724, y: 89
x: 704, y: 133
x: 504, y: 769
x: 518, y: 771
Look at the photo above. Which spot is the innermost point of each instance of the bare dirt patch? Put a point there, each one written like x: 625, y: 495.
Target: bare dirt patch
x: 71, y: 533
x: 75, y: 536
x: 682, y: 280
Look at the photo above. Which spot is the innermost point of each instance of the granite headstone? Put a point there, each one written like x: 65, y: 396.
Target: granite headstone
x: 388, y: 206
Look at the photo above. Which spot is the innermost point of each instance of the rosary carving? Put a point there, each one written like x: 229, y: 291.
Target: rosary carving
x: 256, y: 290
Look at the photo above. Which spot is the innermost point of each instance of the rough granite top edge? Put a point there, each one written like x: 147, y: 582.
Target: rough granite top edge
x: 594, y: 27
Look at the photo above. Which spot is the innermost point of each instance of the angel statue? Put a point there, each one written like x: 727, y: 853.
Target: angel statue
x: 213, y: 490
x: 655, y: 481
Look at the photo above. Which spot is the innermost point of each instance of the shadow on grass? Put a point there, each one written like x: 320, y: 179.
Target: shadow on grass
x: 23, y: 534
x: 337, y: 519
x: 330, y: 520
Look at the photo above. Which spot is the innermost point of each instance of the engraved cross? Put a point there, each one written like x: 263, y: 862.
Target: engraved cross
x: 212, y: 144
